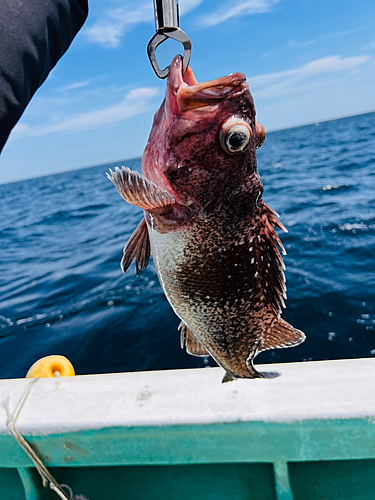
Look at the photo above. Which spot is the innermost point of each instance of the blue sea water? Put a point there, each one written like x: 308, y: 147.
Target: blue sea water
x: 62, y: 237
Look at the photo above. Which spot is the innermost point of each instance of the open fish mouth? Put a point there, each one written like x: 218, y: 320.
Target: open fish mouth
x: 189, y: 94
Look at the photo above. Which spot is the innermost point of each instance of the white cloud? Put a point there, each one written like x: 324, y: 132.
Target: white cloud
x: 284, y: 82
x: 134, y: 103
x: 323, y: 97
x: 369, y: 46
x: 21, y: 128
x: 109, y: 31
x: 338, y: 34
x: 236, y: 9
x: 73, y: 86
x: 106, y: 33
x: 116, y: 22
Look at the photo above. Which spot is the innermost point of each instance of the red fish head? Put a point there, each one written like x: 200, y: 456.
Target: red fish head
x: 203, y: 140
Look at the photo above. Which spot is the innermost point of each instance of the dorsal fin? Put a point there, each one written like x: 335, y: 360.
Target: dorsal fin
x: 139, y: 191
x: 193, y: 346
x: 138, y: 247
x: 269, y: 262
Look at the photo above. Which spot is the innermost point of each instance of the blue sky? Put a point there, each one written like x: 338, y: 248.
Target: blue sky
x: 305, y: 62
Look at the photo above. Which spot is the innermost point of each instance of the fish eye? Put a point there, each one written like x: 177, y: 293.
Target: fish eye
x: 235, y: 135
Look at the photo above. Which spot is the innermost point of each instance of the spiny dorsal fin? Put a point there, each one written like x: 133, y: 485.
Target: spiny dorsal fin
x: 281, y: 334
x: 138, y: 248
x: 187, y: 338
x: 268, y: 259
x: 139, y: 191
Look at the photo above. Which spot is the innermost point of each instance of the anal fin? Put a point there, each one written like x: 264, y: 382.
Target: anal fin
x: 138, y: 248
x: 139, y: 191
x: 193, y: 346
x: 281, y: 334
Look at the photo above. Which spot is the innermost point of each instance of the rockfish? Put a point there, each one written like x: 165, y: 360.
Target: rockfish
x: 211, y: 235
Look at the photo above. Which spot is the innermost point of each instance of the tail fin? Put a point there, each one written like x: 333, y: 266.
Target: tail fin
x: 281, y: 335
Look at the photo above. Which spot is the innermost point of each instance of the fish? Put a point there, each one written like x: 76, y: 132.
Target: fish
x: 211, y: 235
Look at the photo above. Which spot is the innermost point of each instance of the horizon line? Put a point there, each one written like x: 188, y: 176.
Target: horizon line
x: 140, y: 157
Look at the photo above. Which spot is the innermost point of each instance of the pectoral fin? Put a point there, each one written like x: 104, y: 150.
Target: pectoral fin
x: 141, y: 192
x: 138, y: 248
x: 187, y: 338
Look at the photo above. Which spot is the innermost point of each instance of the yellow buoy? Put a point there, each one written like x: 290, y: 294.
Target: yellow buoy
x: 51, y: 366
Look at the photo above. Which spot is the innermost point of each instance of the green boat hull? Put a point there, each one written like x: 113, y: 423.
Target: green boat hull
x: 308, y: 434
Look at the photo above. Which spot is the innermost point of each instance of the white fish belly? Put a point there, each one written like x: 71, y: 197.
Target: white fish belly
x: 189, y: 286
x: 169, y: 253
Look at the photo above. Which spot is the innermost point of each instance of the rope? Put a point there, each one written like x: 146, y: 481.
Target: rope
x: 74, y: 497
x: 47, y: 478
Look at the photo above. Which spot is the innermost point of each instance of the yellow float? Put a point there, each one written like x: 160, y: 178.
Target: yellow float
x: 51, y: 366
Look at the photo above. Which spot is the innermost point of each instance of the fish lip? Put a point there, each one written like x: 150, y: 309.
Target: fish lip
x: 177, y: 78
x: 186, y: 94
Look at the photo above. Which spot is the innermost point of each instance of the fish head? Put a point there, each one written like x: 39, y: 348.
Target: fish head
x: 204, y: 136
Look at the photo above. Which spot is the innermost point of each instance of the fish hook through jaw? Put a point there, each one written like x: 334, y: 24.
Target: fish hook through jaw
x: 160, y: 37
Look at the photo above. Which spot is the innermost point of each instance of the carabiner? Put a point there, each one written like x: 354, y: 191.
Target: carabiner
x: 167, y: 26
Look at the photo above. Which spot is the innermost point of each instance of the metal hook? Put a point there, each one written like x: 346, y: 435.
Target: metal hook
x: 167, y: 26
x: 160, y: 37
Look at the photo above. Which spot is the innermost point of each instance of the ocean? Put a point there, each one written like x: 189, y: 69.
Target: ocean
x: 61, y: 241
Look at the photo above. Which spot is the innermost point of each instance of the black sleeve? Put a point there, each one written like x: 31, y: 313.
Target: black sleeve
x: 34, y: 34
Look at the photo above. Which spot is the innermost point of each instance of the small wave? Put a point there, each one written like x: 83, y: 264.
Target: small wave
x: 66, y: 215
x: 331, y: 336
x: 30, y: 319
x: 94, y: 207
x: 350, y: 228
x: 356, y: 226
x: 338, y: 187
x: 350, y: 165
x: 7, y: 321
x: 5, y: 324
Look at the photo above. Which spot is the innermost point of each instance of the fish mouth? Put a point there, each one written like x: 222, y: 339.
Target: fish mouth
x: 188, y: 94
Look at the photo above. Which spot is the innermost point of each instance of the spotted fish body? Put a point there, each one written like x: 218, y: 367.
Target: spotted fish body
x: 212, y: 237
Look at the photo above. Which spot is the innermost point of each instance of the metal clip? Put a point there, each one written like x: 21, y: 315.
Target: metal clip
x: 167, y: 26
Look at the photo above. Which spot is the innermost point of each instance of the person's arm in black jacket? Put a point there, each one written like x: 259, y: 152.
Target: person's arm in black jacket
x: 34, y: 34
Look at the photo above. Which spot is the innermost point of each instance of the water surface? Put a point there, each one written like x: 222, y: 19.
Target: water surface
x: 62, y: 237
